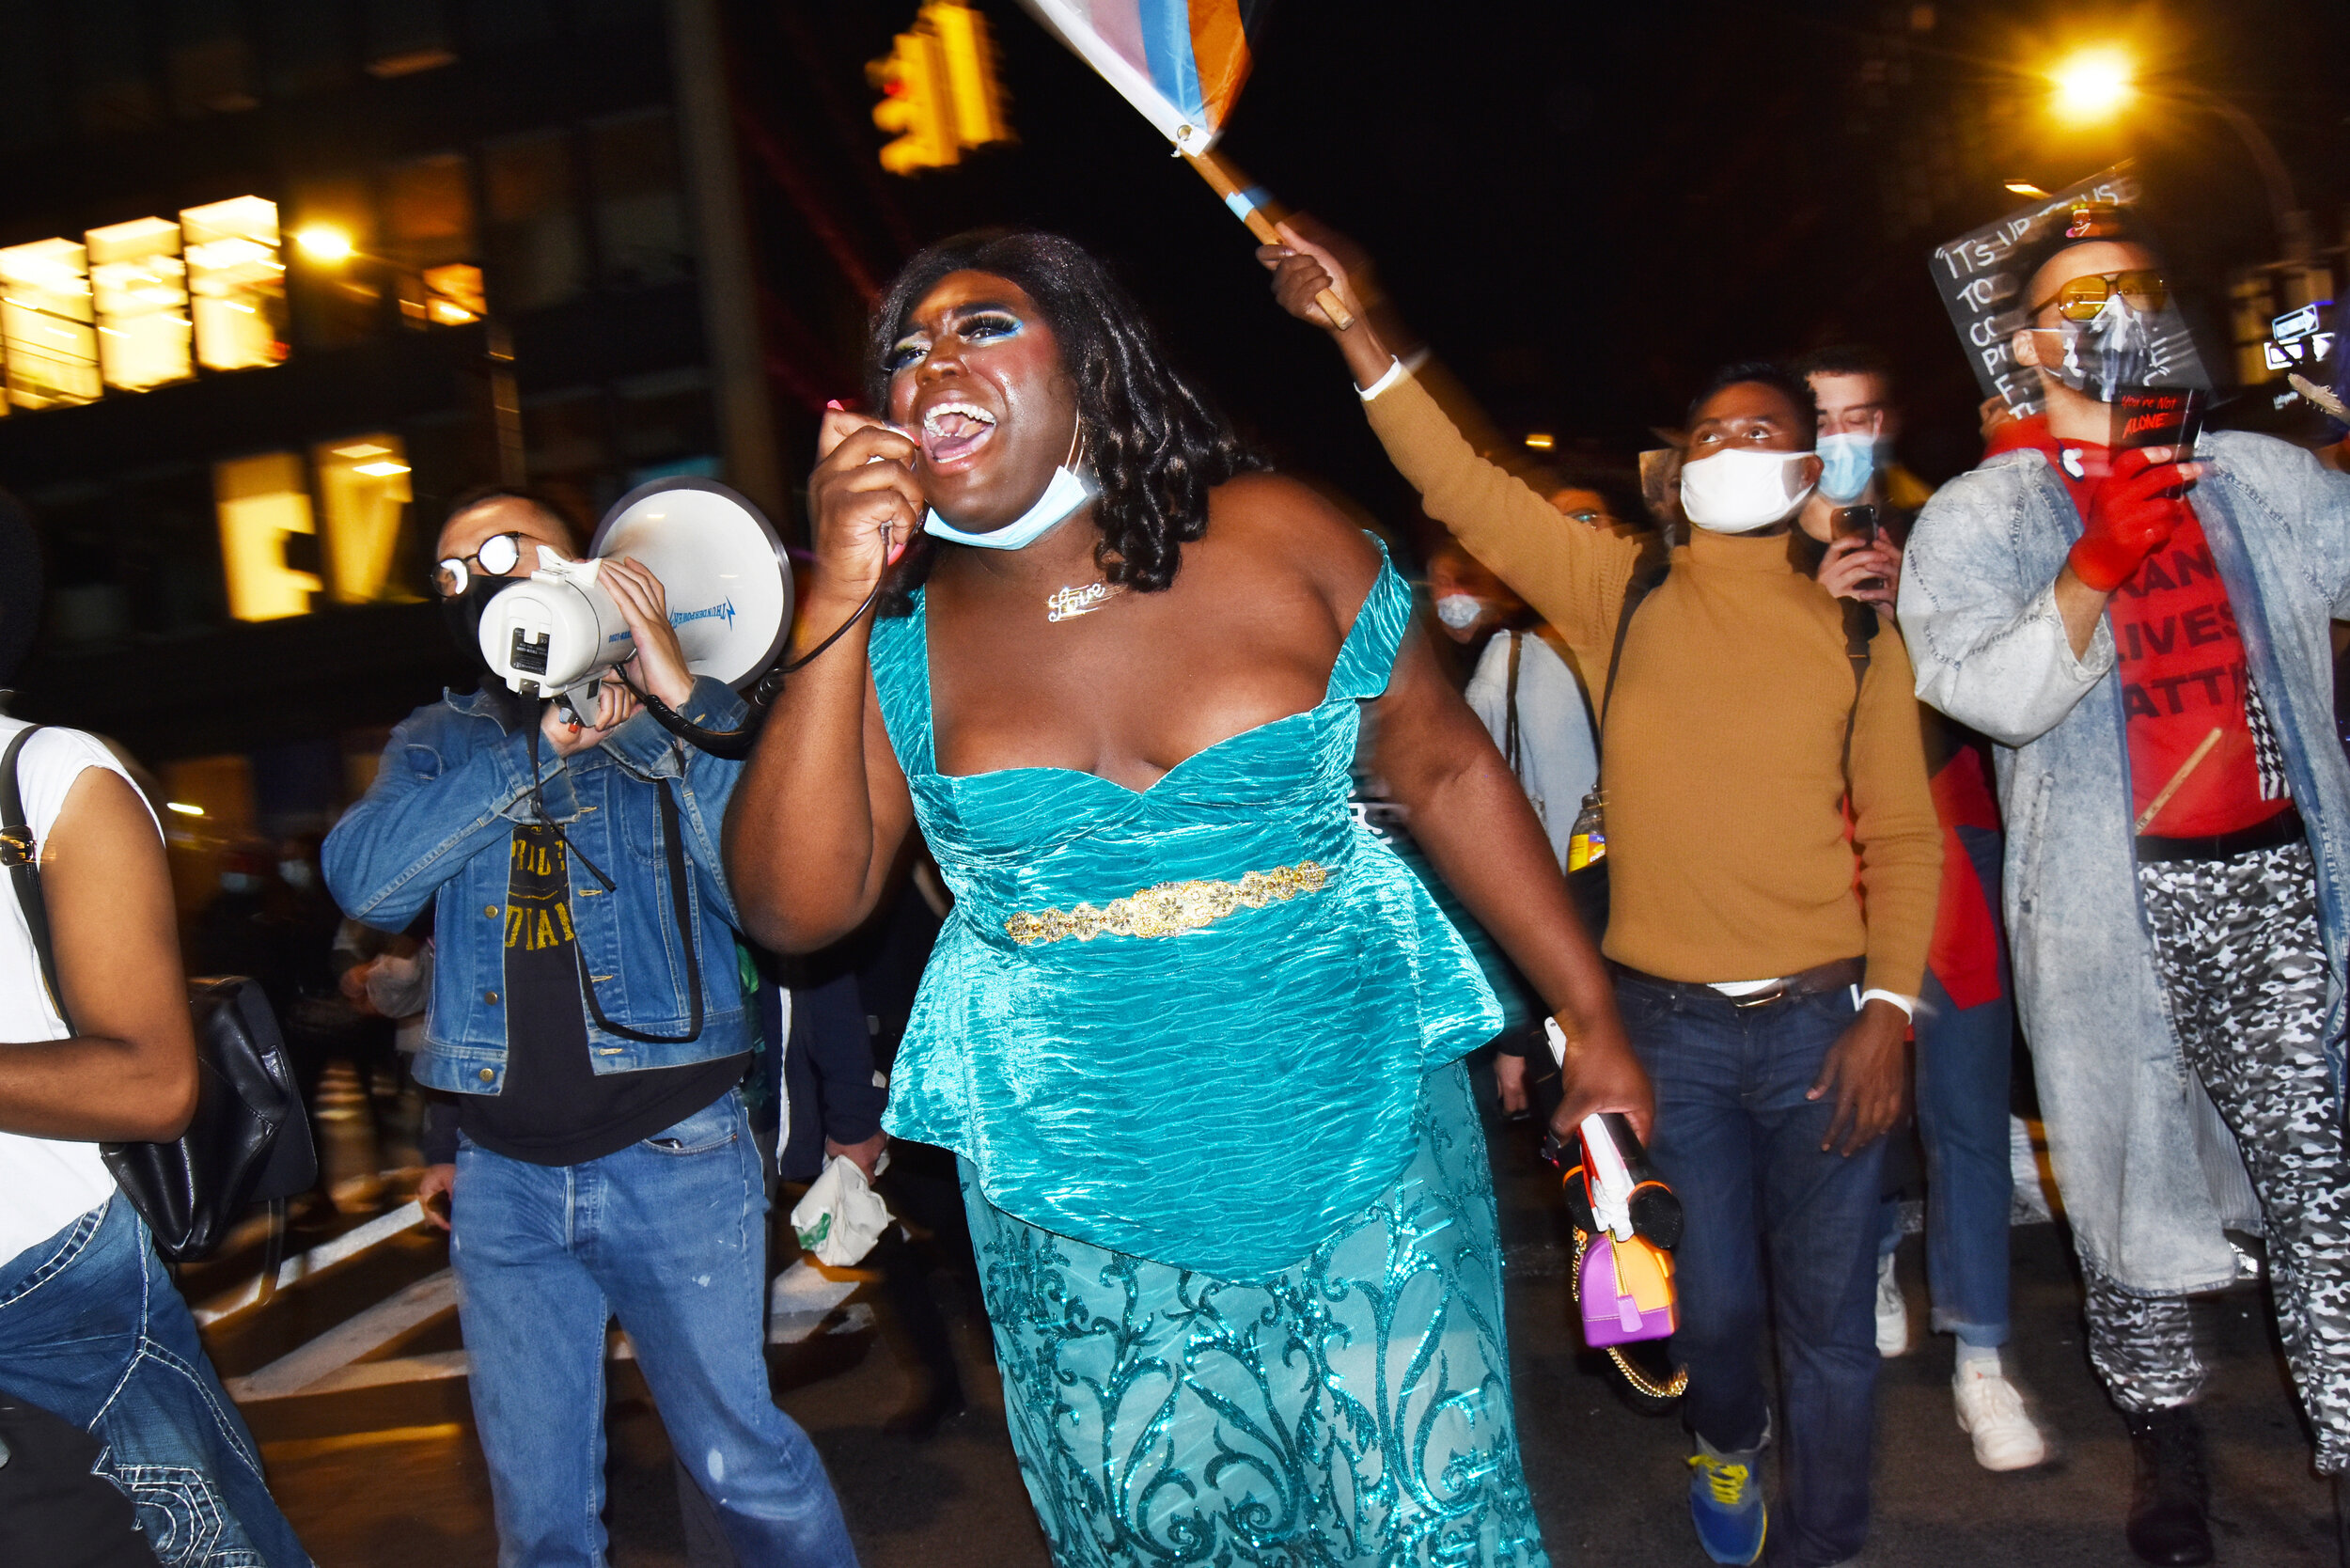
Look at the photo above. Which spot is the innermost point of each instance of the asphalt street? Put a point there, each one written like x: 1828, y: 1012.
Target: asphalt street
x: 387, y: 1474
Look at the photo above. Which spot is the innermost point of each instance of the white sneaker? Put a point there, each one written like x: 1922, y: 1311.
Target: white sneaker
x: 1991, y: 1411
x: 1892, y: 1311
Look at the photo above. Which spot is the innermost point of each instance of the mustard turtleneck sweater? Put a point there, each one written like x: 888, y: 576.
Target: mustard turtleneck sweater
x: 1722, y: 758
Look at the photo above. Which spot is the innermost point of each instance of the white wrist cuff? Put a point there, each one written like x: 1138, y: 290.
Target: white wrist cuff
x: 1907, y: 1004
x: 1395, y: 372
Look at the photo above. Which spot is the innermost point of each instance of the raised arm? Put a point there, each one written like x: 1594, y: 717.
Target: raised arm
x: 1573, y: 575
x: 818, y: 816
x: 128, y: 1072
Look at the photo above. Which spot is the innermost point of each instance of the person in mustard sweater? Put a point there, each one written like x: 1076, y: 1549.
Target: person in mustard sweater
x: 1767, y: 960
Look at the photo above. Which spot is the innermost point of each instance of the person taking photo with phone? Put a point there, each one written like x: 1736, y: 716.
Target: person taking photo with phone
x: 1855, y: 523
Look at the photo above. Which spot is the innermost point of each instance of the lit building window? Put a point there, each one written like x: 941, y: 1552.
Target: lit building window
x: 363, y: 489
x: 140, y: 287
x: 239, y: 280
x: 428, y: 239
x: 268, y: 541
x: 45, y: 321
x: 452, y: 294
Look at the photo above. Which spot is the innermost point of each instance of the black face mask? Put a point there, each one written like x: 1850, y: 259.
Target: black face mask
x: 463, y: 612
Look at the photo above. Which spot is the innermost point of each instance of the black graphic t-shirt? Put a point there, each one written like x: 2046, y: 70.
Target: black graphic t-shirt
x: 554, y: 1107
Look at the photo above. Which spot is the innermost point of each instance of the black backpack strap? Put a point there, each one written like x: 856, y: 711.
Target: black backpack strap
x: 22, y: 855
x: 1861, y: 630
x: 1509, y: 703
x: 1646, y: 578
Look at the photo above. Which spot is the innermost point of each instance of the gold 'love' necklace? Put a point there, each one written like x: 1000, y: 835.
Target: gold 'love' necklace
x: 1068, y: 602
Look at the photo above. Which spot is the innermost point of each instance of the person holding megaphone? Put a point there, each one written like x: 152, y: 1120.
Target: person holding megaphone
x: 587, y: 1017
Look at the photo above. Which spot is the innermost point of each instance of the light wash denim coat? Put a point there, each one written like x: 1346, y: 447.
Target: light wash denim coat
x: 435, y: 828
x: 2146, y: 1173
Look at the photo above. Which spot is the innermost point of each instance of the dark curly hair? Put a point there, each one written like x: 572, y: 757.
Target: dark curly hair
x: 1156, y: 445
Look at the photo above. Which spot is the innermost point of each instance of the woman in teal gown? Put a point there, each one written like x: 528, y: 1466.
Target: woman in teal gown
x: 1195, y: 1033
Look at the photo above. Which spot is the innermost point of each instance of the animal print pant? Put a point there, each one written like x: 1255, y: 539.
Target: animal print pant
x: 2238, y: 947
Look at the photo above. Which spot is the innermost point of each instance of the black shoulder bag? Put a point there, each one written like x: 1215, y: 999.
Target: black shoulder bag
x: 1588, y: 881
x: 249, y: 1140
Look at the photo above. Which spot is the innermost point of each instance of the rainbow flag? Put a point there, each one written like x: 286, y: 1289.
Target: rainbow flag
x: 1180, y: 62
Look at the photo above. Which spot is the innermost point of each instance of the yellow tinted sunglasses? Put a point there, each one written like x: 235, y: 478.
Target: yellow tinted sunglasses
x: 2081, y: 298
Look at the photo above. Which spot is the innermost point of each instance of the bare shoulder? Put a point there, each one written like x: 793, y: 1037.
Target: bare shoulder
x: 101, y: 814
x: 1276, y: 528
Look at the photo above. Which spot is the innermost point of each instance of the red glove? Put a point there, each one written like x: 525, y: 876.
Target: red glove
x: 2132, y: 515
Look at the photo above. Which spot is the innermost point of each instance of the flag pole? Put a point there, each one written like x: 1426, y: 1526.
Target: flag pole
x: 1253, y: 207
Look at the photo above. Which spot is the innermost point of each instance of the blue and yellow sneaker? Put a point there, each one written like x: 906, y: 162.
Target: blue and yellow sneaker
x: 1725, y: 1502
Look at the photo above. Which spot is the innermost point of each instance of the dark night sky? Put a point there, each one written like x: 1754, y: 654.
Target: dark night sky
x: 1587, y: 207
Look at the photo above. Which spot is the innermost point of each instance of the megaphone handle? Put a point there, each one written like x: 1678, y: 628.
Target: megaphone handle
x: 1608, y: 1166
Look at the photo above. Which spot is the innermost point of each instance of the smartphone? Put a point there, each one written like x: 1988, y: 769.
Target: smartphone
x: 1859, y: 522
x: 1855, y: 523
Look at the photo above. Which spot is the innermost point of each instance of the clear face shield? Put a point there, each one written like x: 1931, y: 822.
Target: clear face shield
x: 2119, y: 331
x: 2120, y: 346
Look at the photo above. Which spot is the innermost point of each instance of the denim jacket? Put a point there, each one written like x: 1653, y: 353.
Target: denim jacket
x: 2147, y: 1172
x: 436, y: 825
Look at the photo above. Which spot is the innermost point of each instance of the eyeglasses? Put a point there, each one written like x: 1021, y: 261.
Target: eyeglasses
x: 497, y: 557
x: 2080, y: 299
x: 1592, y: 519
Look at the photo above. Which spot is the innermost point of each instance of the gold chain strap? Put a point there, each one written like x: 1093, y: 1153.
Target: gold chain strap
x: 1672, y: 1387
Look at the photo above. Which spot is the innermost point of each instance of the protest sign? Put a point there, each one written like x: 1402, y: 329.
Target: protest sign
x: 1983, y: 296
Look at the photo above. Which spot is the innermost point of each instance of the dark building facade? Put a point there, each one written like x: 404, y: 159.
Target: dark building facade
x: 279, y: 278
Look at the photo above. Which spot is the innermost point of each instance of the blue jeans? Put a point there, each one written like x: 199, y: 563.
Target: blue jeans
x: 668, y: 1236
x: 1964, y: 1056
x: 1740, y: 1144
x: 92, y: 1330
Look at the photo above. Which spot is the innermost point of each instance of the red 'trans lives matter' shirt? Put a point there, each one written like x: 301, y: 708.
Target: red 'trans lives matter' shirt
x: 2183, y: 669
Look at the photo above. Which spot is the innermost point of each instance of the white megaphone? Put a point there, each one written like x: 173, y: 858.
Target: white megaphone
x: 722, y: 570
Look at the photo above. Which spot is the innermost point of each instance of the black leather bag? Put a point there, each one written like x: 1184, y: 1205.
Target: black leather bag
x: 249, y: 1141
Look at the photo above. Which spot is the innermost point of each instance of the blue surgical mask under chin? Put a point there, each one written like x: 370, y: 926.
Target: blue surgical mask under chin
x: 1847, y: 462
x: 1064, y: 497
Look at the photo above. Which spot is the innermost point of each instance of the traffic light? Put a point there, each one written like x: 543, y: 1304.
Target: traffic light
x: 939, y: 91
x: 915, y: 106
x: 970, y: 54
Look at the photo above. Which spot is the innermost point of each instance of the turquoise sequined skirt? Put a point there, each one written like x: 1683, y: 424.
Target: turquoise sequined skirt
x: 1354, y: 1409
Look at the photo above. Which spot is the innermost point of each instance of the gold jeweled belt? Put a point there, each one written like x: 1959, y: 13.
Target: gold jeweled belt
x: 1169, y: 909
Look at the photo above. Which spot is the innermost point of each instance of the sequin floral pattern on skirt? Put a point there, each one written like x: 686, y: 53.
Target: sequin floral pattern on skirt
x: 1354, y: 1409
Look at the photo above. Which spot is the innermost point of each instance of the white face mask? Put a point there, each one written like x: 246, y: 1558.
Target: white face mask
x: 1459, y: 610
x: 1739, y: 490
x: 1065, y: 497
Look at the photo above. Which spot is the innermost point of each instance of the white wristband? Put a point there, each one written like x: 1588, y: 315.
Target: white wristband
x: 1907, y: 1004
x: 1395, y: 372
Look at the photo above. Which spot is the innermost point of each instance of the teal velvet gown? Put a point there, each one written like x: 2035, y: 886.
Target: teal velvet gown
x: 1199, y: 1048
